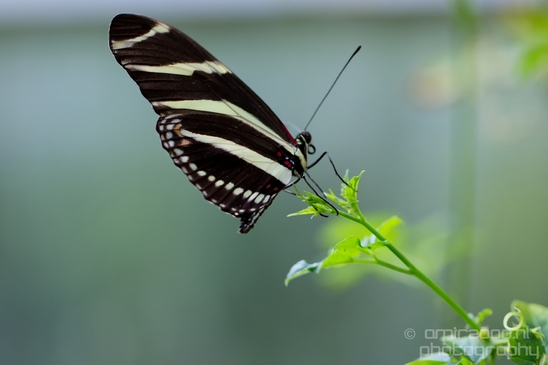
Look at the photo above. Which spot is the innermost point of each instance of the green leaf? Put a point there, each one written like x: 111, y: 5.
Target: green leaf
x: 438, y: 358
x: 305, y: 211
x: 335, y: 199
x: 372, y: 246
x: 464, y: 361
x: 319, y: 205
x: 350, y: 191
x: 525, y: 348
x: 535, y: 315
x: 499, y: 340
x: 471, y: 347
x: 301, y: 268
x: 387, y: 227
x: 482, y: 315
x: 344, y: 252
x: 347, y: 251
x: 316, y: 204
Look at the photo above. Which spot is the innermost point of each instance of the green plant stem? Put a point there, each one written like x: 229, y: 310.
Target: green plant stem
x: 413, y: 270
x: 385, y: 264
x: 435, y: 287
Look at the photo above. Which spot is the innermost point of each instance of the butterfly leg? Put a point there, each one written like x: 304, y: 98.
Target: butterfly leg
x: 332, y: 164
x: 321, y: 195
x: 315, y: 192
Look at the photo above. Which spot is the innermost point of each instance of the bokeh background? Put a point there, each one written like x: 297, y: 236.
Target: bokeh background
x: 109, y: 256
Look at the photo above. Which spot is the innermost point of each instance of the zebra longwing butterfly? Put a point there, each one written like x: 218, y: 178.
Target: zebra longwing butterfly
x: 226, y: 140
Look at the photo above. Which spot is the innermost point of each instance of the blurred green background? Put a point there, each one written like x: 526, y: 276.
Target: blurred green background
x: 109, y: 256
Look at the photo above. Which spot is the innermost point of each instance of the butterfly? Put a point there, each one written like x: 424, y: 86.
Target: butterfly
x: 226, y: 140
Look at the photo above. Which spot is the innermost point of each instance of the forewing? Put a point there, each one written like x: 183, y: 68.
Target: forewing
x: 175, y: 73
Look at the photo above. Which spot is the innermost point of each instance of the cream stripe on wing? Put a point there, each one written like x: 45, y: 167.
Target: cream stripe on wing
x: 226, y: 108
x: 269, y: 166
x: 158, y: 28
x: 183, y: 68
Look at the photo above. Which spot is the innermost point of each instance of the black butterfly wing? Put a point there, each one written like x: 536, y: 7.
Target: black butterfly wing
x: 169, y: 67
x: 227, y: 141
x: 233, y: 176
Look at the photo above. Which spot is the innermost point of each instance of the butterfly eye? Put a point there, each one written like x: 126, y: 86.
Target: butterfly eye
x: 307, y: 137
x: 311, y: 149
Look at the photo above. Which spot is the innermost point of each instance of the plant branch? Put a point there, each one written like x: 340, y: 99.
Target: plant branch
x: 420, y: 275
x: 351, y: 211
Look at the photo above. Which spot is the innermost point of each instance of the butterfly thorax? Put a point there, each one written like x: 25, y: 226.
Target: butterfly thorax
x: 304, y: 148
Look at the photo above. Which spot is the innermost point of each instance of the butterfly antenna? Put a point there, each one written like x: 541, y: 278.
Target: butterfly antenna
x: 334, y: 82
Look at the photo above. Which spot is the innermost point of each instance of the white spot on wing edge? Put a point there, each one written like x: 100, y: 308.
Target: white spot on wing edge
x: 238, y: 191
x: 259, y: 198
x: 126, y: 43
x: 253, y: 196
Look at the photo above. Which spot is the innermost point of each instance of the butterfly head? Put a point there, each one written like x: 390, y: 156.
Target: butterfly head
x: 304, y: 142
